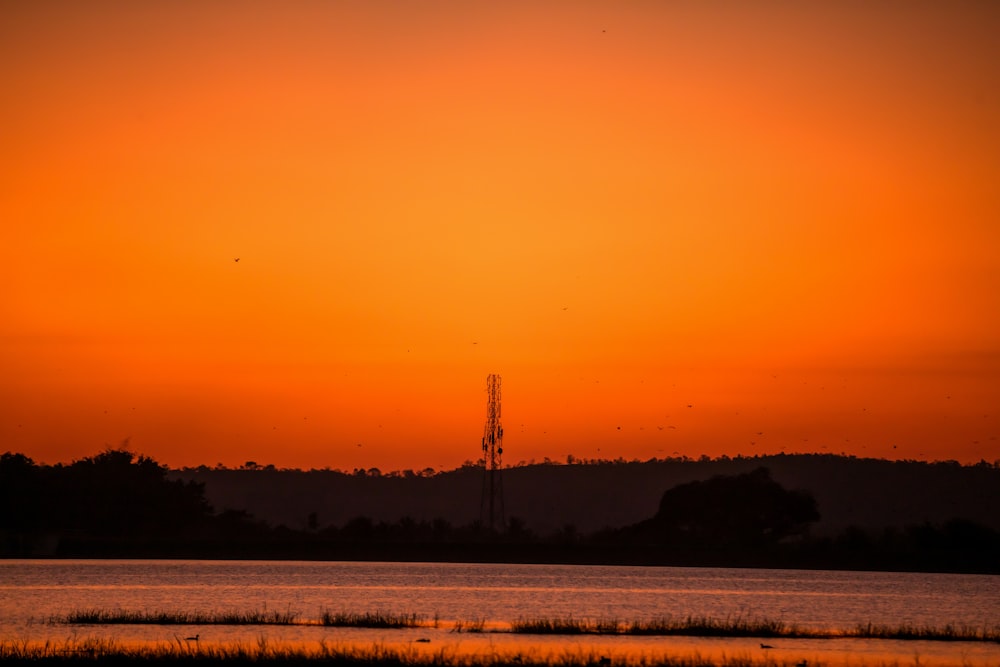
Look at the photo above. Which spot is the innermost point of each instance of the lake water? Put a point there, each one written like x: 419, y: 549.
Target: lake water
x: 32, y: 591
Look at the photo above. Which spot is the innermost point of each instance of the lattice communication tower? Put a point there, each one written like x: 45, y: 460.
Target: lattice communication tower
x: 491, y: 515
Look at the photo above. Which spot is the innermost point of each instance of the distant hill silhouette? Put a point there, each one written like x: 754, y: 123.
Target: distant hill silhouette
x: 871, y: 494
x: 725, y: 512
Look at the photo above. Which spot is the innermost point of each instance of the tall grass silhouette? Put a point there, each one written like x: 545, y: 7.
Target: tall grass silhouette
x: 377, y: 619
x: 127, y: 617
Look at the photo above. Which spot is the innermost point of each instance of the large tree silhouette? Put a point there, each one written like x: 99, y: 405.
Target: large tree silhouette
x: 123, y: 494
x: 115, y: 494
x: 729, y: 511
x: 21, y: 505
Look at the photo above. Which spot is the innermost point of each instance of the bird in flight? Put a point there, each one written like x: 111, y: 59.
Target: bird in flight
x: 237, y: 259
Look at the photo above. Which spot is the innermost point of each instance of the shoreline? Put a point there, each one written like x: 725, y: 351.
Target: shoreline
x: 501, y: 553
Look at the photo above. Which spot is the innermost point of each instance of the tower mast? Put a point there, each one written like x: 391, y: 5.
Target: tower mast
x: 491, y: 515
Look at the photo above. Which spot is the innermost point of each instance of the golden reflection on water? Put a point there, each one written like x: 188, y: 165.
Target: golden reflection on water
x: 633, y: 651
x: 32, y: 592
x: 443, y: 648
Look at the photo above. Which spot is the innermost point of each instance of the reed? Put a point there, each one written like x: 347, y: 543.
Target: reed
x: 131, y: 617
x: 705, y: 626
x: 478, y: 625
x: 701, y: 626
x: 962, y: 633
x: 553, y: 626
x: 377, y: 619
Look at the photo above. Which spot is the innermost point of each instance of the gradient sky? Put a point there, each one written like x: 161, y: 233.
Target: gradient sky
x: 673, y: 228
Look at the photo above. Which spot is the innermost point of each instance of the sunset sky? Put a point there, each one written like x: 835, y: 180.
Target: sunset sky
x: 673, y: 228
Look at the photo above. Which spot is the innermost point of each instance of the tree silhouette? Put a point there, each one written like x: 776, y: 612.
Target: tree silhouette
x: 747, y: 510
x: 122, y: 494
x: 21, y: 503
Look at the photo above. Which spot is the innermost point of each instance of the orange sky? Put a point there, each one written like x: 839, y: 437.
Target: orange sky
x: 672, y: 227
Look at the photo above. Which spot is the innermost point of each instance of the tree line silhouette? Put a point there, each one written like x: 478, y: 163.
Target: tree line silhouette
x: 122, y: 504
x: 109, y: 501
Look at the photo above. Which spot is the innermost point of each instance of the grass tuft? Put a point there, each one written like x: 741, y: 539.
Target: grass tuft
x: 701, y: 626
x: 127, y: 617
x: 478, y: 625
x: 377, y: 619
x: 553, y: 626
x: 963, y: 633
x: 705, y: 626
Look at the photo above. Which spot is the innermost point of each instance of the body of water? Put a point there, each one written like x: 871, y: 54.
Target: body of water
x: 33, y: 591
